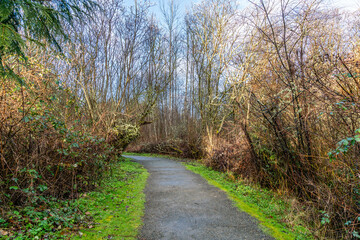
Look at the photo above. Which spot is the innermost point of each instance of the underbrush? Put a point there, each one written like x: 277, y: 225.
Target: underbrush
x: 47, y: 218
x: 50, y: 152
x: 175, y: 147
x: 113, y: 210
x: 46, y: 148
x: 326, y: 188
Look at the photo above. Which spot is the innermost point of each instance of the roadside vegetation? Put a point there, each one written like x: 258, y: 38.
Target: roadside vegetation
x: 112, y: 210
x: 117, y: 206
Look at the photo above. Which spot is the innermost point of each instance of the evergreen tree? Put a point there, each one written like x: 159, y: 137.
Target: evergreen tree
x: 35, y: 20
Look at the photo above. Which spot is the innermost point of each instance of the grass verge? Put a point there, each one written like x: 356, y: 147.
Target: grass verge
x: 112, y: 211
x: 117, y: 207
x: 271, y: 211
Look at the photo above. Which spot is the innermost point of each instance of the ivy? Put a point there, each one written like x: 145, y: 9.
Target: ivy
x: 344, y: 145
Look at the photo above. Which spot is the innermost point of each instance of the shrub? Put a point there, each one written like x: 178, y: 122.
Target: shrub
x: 45, y: 149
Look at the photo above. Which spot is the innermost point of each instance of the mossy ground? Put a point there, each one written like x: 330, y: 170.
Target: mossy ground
x: 117, y: 208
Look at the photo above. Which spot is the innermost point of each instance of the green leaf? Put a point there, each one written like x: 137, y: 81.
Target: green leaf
x: 75, y: 145
x: 343, y: 142
x: 348, y: 223
x: 356, y: 234
x: 13, y: 188
x: 42, y: 188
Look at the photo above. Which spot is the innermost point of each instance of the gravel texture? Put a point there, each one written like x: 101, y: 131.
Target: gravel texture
x: 182, y: 205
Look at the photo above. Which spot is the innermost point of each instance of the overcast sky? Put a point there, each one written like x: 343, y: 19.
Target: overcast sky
x: 351, y: 5
x: 184, y: 5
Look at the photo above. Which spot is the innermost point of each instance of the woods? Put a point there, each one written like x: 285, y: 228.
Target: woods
x: 269, y: 92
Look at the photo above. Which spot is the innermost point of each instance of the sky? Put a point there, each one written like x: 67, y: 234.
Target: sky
x: 155, y: 9
x: 350, y: 5
x: 184, y: 5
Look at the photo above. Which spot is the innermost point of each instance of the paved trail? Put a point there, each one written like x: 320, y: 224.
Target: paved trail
x: 182, y: 205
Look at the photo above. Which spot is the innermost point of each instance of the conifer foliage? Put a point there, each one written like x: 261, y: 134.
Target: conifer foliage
x: 36, y: 21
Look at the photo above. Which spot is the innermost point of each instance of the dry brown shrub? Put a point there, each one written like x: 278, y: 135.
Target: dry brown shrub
x: 229, y: 155
x: 44, y: 149
x: 174, y: 147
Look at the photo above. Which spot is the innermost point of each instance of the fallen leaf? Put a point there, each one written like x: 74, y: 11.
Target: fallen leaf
x: 3, y: 233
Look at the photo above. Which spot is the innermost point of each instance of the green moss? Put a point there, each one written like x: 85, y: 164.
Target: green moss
x: 117, y: 208
x: 124, y: 134
x: 264, y: 205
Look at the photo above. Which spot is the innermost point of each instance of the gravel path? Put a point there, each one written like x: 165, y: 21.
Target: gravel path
x: 182, y: 205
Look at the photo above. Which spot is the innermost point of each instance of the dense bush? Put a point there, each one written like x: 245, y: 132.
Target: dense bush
x: 174, y: 147
x: 300, y: 136
x: 122, y: 135
x: 46, y: 149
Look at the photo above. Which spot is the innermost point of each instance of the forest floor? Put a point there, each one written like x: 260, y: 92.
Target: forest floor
x: 117, y: 205
x: 182, y: 205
